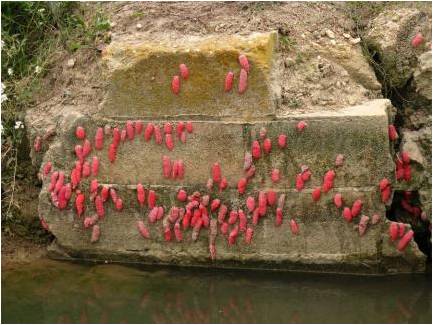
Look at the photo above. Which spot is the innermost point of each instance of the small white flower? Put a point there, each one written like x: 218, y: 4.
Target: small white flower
x: 3, y: 96
x: 10, y: 71
x: 41, y: 10
x: 38, y: 69
x: 19, y: 125
x: 2, y: 44
x: 1, y: 128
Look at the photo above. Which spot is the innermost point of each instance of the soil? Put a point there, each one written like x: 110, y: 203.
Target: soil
x: 18, y: 251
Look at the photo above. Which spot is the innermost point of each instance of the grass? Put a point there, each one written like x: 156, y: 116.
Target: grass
x: 362, y: 12
x: 294, y: 103
x: 34, y: 36
x: 287, y: 42
x: 137, y: 14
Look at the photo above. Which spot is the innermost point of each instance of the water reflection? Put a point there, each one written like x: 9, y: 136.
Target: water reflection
x: 55, y: 292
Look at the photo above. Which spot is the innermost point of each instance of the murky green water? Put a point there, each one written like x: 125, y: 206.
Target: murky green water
x: 57, y: 292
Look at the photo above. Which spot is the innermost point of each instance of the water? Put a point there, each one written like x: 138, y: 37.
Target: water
x: 59, y: 292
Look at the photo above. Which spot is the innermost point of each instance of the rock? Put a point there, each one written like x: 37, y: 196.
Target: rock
x: 418, y: 145
x: 70, y: 63
x: 139, y: 26
x: 330, y: 33
x: 353, y: 61
x: 425, y: 195
x: 417, y: 119
x: 410, y: 145
x: 288, y: 62
x: 326, y: 69
x: 422, y: 75
x: 51, y: 131
x: 355, y: 40
x: 220, y: 27
x: 108, y: 36
x: 101, y: 47
x: 197, y: 96
x: 347, y: 36
x: 392, y: 42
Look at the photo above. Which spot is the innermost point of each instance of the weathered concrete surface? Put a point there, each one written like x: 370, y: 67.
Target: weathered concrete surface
x: 140, y: 75
x: 297, y: 204
x: 327, y: 246
x: 363, y: 141
x: 326, y: 243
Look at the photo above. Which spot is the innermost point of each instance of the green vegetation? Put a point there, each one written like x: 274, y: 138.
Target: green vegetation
x: 287, y: 42
x: 137, y: 14
x: 34, y: 37
x: 362, y: 12
x: 294, y: 103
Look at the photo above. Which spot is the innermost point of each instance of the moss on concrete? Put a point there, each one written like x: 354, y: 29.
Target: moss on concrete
x: 141, y: 74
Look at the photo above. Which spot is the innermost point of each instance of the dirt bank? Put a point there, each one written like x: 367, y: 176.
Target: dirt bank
x: 17, y: 251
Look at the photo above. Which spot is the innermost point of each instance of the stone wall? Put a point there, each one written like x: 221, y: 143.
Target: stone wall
x: 400, y: 41
x: 225, y: 124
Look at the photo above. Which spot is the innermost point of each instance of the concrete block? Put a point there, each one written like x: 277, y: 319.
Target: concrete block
x: 140, y: 75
